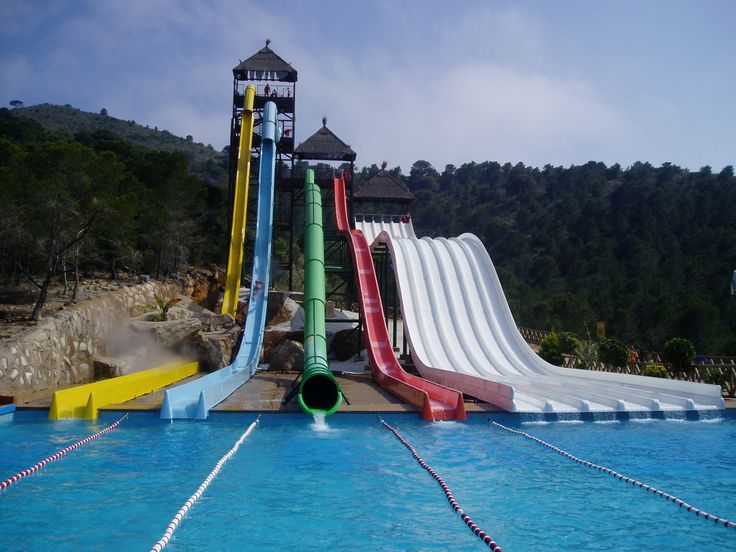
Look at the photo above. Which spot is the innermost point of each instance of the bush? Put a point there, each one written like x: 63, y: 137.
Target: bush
x: 549, y: 349
x: 612, y: 351
x: 716, y: 377
x: 569, y: 343
x: 679, y: 352
x: 656, y: 371
x: 586, y: 353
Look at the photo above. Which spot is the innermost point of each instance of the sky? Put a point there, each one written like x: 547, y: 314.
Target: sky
x: 540, y: 82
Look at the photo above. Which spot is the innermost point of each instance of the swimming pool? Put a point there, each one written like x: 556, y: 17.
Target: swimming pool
x: 353, y: 486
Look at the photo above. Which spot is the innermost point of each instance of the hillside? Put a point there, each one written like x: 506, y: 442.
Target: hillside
x: 204, y: 160
x: 649, y: 250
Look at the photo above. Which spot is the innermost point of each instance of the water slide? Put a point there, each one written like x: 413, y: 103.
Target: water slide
x: 319, y: 392
x: 435, y: 401
x: 85, y: 401
x: 194, y: 400
x: 462, y: 334
x: 240, y: 206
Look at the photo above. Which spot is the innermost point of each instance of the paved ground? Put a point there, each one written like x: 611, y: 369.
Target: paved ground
x: 265, y: 392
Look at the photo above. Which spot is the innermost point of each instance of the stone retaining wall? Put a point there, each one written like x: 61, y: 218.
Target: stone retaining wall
x: 58, y: 351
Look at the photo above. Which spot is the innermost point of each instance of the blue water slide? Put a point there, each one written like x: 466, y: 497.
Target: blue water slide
x: 194, y: 400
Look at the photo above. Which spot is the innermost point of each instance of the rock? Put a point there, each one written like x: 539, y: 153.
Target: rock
x: 204, y: 284
x: 345, y: 344
x: 13, y: 374
x: 272, y: 337
x: 221, y: 322
x: 211, y: 322
x: 178, y: 312
x: 217, y: 348
x: 281, y: 308
x: 109, y: 367
x: 186, y: 308
x: 169, y: 332
x: 85, y: 371
x: 287, y: 356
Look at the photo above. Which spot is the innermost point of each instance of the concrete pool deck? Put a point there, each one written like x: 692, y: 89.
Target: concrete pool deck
x: 266, y: 390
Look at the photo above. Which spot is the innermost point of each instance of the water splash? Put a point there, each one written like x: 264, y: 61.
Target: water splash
x: 320, y: 422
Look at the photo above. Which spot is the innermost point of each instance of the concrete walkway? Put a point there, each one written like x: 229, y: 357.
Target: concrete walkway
x: 266, y: 390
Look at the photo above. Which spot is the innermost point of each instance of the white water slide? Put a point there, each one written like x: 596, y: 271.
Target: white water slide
x: 462, y: 335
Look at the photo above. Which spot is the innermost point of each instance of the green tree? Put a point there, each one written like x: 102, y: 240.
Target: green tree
x: 612, y: 351
x: 549, y: 349
x: 569, y: 343
x: 63, y: 196
x: 680, y: 353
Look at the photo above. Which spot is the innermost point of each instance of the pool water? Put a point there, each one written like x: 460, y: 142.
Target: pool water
x: 349, y: 484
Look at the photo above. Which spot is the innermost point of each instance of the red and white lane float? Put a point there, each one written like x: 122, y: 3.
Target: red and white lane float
x: 681, y: 503
x: 54, y: 457
x: 477, y: 531
x: 164, y: 540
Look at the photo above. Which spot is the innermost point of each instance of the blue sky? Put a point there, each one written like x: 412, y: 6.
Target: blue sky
x: 542, y: 82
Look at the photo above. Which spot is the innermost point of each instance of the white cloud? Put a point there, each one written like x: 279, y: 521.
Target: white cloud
x: 474, y: 111
x: 399, y: 81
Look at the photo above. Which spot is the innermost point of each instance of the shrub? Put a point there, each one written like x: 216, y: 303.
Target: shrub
x: 679, y: 352
x: 549, y: 349
x: 612, y: 351
x: 163, y: 306
x: 716, y: 377
x: 587, y: 354
x: 569, y: 343
x: 656, y: 371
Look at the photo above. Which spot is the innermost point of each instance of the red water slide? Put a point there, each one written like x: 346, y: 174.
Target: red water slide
x: 435, y: 401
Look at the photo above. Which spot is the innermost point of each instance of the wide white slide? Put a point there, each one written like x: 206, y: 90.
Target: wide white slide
x: 462, y: 334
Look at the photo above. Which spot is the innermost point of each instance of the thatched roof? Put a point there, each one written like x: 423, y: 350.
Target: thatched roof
x: 324, y: 145
x: 265, y: 65
x: 384, y: 187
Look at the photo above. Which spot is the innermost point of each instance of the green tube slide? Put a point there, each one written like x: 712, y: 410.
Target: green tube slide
x: 319, y: 392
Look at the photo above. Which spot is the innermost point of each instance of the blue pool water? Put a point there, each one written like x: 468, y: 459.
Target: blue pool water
x: 354, y: 486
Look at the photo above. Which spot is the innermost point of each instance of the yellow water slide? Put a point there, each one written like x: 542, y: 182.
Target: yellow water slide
x: 237, y: 232
x: 84, y: 401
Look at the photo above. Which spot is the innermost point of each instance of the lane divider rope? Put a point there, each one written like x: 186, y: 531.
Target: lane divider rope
x: 164, y: 540
x: 37, y: 466
x: 477, y: 531
x: 625, y: 479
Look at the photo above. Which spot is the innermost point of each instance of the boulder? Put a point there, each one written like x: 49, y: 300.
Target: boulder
x: 287, y: 356
x: 169, y: 332
x: 216, y: 348
x: 345, y: 344
x: 221, y: 322
x: 274, y: 336
x: 109, y: 367
x: 211, y: 321
x: 281, y: 308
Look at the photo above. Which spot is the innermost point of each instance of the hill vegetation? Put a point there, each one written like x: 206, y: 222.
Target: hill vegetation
x: 649, y: 250
x: 67, y: 121
x: 93, y: 201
